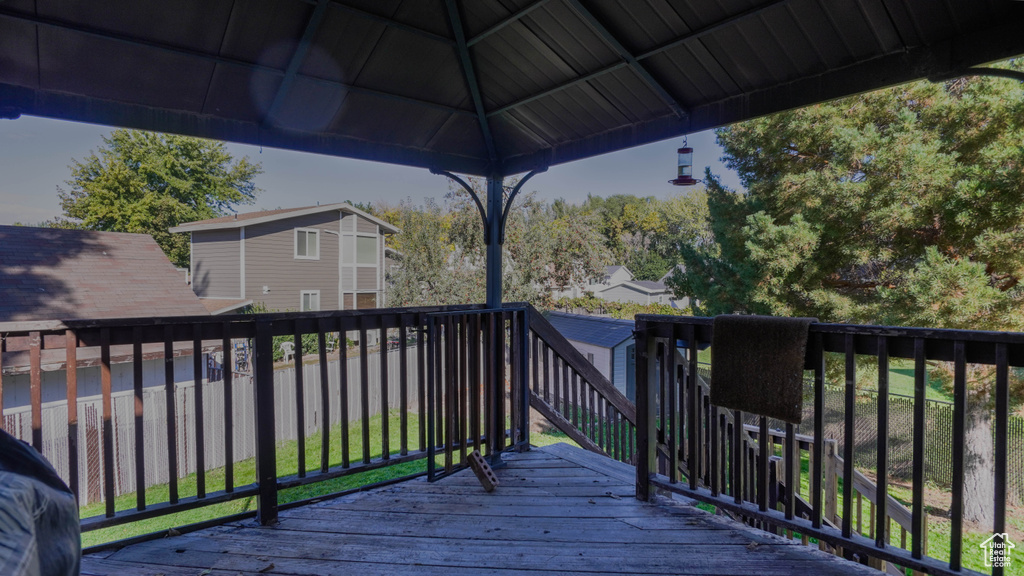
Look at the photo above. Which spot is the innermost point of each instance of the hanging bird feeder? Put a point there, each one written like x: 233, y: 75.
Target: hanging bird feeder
x: 685, y: 176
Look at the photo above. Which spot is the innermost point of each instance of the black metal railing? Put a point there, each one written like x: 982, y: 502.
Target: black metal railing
x: 121, y: 405
x: 687, y: 445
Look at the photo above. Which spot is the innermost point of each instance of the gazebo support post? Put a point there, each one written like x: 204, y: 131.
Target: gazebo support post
x: 493, y: 238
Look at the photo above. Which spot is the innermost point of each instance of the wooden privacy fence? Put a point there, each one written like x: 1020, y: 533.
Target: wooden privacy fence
x: 158, y: 433
x: 18, y: 421
x: 675, y: 423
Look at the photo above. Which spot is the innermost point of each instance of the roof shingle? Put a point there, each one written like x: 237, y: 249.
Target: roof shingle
x: 53, y: 274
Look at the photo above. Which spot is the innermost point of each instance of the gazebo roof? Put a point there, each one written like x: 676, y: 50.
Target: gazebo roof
x: 482, y: 86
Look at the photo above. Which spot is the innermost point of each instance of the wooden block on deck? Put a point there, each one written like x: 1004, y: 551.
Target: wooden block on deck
x: 483, y: 471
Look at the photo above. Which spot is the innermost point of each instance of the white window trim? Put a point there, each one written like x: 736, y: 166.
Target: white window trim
x: 302, y: 296
x: 295, y: 243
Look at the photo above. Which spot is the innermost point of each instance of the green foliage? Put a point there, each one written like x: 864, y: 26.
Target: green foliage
x: 647, y: 234
x: 903, y: 206
x: 621, y: 310
x: 146, y: 183
x: 443, y: 252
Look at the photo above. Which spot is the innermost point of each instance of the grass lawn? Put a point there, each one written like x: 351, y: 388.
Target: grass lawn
x: 287, y: 464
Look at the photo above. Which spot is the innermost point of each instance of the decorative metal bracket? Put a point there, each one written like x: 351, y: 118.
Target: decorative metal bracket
x: 512, y: 196
x: 507, y: 203
x: 473, y: 195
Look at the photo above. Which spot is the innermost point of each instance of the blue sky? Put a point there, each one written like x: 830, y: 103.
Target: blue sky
x: 36, y: 153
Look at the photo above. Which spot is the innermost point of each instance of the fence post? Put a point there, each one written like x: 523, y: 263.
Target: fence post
x: 646, y: 441
x: 831, y: 481
x: 266, y: 454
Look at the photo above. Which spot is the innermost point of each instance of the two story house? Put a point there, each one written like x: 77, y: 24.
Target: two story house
x: 312, y: 258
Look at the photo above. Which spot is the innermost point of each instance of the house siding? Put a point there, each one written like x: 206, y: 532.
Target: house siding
x: 215, y: 260
x: 602, y: 356
x: 366, y: 278
x: 624, y: 294
x: 270, y: 261
x: 365, y: 226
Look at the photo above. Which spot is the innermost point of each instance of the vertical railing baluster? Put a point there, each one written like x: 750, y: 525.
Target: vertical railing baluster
x: 228, y: 369
x: 364, y: 388
x: 451, y: 406
x: 764, y: 441
x: 592, y: 414
x: 71, y: 369
x: 673, y: 400
x: 198, y: 417
x: 108, y: 425
x: 431, y: 413
x: 421, y: 378
x: 385, y: 403
x: 325, y: 397
x: 300, y: 404
x: 920, y: 403
x: 737, y: 457
x: 693, y: 428
x: 403, y: 383
x: 487, y: 323
x: 817, y: 449
x: 790, y: 478
x: 882, y: 448
x: 575, y: 403
x: 171, y: 402
x: 343, y: 407
x: 463, y: 386
x: 524, y: 387
x: 1002, y: 404
x: 473, y: 342
x: 849, y: 430
x: 140, y: 431
x: 566, y: 390
x: 956, y: 508
x: 36, y: 389
x: 499, y: 390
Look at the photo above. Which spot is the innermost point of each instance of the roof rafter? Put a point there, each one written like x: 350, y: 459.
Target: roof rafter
x: 694, y: 35
x: 471, y: 80
x: 298, y: 57
x: 628, y: 56
x: 506, y: 21
x: 391, y: 22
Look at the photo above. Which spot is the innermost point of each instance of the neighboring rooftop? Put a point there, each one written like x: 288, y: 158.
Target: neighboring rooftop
x: 252, y: 218
x: 596, y: 330
x: 651, y: 285
x: 54, y: 274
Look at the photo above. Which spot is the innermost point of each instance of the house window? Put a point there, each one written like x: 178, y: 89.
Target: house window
x: 366, y: 250
x: 310, y: 301
x: 366, y: 300
x: 307, y: 243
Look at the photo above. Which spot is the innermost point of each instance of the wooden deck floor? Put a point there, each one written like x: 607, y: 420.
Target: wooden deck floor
x: 558, y: 510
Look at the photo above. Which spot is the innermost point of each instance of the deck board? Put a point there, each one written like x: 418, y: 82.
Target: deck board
x: 558, y: 510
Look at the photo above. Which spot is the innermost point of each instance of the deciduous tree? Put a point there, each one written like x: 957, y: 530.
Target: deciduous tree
x: 903, y: 206
x: 145, y: 182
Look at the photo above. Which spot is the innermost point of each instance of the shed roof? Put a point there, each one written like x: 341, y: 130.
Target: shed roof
x: 596, y: 330
x: 482, y: 86
x: 253, y: 218
x: 52, y: 274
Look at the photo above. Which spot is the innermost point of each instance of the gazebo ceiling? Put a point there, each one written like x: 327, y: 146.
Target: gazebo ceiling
x: 476, y: 86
